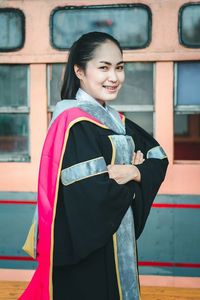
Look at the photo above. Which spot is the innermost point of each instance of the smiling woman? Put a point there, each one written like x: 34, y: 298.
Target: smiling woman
x: 104, y: 75
x: 95, y: 184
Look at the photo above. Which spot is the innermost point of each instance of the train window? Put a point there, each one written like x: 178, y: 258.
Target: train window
x: 135, y: 99
x: 187, y: 111
x: 189, y: 25
x: 12, y: 34
x: 14, y: 113
x: 130, y: 24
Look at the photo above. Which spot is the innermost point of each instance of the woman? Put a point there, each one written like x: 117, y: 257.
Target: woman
x: 99, y: 175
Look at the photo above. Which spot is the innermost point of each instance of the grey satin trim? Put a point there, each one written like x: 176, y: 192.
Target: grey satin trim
x: 127, y: 261
x: 35, y: 220
x: 156, y: 152
x: 126, y: 244
x: 83, y: 170
x: 124, y: 146
x: 62, y: 106
x: 105, y: 117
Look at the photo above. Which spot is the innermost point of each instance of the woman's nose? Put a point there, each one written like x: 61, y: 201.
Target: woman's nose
x: 113, y: 76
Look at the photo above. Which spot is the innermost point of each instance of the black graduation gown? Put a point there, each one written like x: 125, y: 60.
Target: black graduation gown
x: 90, y: 211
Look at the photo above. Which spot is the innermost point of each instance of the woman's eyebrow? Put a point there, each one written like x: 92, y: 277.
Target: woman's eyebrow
x: 108, y: 63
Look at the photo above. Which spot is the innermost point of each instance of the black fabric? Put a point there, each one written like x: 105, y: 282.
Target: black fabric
x: 90, y: 211
x: 93, y: 278
x: 152, y: 175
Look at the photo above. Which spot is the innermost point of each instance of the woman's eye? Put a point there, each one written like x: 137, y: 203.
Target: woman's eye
x: 103, y: 68
x: 120, y: 68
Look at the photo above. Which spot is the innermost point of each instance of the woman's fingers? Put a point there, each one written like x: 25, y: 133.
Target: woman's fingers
x: 138, y: 158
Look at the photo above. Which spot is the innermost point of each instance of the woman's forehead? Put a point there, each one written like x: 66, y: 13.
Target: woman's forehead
x: 107, y: 52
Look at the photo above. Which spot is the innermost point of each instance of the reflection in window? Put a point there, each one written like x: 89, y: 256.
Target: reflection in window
x: 143, y: 119
x: 189, y: 25
x: 187, y: 111
x: 14, y: 113
x: 55, y: 72
x: 187, y: 136
x: 12, y: 23
x: 130, y: 24
x: 13, y: 135
x: 138, y: 85
x: 188, y: 87
x: 13, y: 85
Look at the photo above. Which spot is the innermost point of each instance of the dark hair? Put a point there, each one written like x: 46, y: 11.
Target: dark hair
x: 81, y: 52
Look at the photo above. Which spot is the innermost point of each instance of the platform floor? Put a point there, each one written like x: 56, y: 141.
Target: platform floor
x: 10, y: 290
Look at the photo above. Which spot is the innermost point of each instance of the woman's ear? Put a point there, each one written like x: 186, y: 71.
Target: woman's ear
x: 78, y: 71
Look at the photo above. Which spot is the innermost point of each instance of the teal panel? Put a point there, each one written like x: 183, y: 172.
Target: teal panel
x: 172, y: 235
x: 155, y: 243
x: 15, y: 221
x: 169, y: 271
x: 187, y: 235
x: 178, y: 199
x: 14, y: 264
x: 18, y: 195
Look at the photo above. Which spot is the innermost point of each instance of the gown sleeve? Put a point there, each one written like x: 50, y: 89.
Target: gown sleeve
x: 90, y: 205
x: 153, y: 172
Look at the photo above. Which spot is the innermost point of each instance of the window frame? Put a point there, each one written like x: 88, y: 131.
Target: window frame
x: 180, y: 36
x: 103, y: 6
x: 22, y: 15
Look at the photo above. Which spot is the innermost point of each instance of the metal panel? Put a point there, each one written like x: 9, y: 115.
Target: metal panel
x: 171, y: 236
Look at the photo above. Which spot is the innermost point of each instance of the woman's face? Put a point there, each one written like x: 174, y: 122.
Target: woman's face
x: 104, y: 74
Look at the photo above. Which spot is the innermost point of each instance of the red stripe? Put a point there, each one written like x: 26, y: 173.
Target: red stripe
x: 141, y: 263
x: 19, y: 258
x: 17, y: 202
x: 156, y: 205
x: 169, y: 205
x: 167, y: 264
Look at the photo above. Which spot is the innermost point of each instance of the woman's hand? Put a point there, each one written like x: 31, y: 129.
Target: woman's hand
x: 138, y: 158
x: 124, y: 173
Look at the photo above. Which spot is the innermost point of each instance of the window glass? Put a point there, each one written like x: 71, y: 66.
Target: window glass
x: 186, y: 136
x: 188, y: 83
x: 55, y: 72
x: 13, y: 136
x: 12, y: 31
x: 13, y: 85
x: 130, y: 24
x: 14, y: 113
x: 138, y: 85
x: 190, y: 25
x: 143, y: 119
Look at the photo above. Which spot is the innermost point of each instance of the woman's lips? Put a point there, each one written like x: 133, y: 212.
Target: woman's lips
x: 111, y: 88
